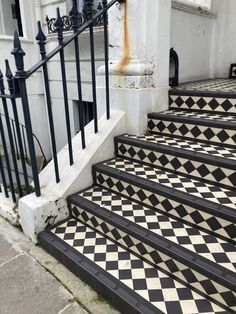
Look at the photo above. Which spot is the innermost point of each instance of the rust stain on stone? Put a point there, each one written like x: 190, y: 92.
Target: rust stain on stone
x: 126, y: 46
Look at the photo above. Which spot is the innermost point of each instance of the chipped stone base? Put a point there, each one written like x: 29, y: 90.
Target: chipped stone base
x: 38, y: 213
x: 9, y: 210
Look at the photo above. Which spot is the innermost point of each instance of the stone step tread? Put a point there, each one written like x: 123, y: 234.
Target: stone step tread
x: 192, y: 239
x: 183, y: 144
x: 221, y: 85
x: 213, y: 117
x: 164, y: 294
x: 187, y: 185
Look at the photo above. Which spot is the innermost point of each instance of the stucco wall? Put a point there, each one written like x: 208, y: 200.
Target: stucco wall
x: 191, y: 37
x: 224, y: 39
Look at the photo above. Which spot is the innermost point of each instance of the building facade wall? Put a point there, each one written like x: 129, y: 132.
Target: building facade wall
x: 191, y: 37
x: 224, y: 40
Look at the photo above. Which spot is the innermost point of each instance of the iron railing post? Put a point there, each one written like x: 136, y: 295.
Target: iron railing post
x: 41, y: 38
x: 10, y: 137
x: 106, y: 53
x: 59, y: 27
x: 17, y: 126
x: 93, y: 68
x: 21, y: 77
x: 74, y: 13
x: 4, y: 144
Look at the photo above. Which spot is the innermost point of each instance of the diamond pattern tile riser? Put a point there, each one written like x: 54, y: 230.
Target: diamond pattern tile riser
x: 124, y: 279
x: 192, y: 146
x: 99, y: 202
x: 167, y: 179
x: 209, y: 288
x: 203, y: 102
x: 211, y: 169
x: 149, y: 195
x: 193, y: 130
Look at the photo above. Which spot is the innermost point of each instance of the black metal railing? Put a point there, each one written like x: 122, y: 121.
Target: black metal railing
x: 89, y: 8
x: 13, y: 140
x: 18, y: 179
x: 19, y: 131
x: 18, y: 89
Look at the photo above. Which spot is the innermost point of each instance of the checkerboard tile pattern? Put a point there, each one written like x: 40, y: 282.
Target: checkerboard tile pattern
x: 198, y: 132
x: 171, y: 206
x: 190, y: 186
x: 172, y: 266
x: 205, y: 245
x: 151, y: 284
x: 210, y: 172
x: 206, y: 103
x: 203, y: 148
x: 201, y: 115
x: 212, y: 85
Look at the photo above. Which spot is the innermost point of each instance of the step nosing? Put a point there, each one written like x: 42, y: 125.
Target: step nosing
x: 154, y: 187
x: 194, y: 93
x: 195, y: 121
x: 157, y: 242
x: 198, y: 156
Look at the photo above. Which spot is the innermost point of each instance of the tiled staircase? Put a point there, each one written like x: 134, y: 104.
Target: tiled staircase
x: 156, y: 233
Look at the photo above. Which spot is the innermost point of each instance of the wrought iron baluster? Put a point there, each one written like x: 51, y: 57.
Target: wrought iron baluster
x: 3, y: 177
x: 20, y: 75
x: 74, y: 13
x: 14, y: 137
x: 10, y: 136
x: 17, y: 125
x: 24, y: 141
x: 106, y: 53
x: 41, y: 38
x: 59, y: 28
x: 4, y: 144
x: 93, y: 68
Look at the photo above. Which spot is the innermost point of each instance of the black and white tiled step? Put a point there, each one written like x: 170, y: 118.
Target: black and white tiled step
x: 131, y: 284
x: 206, y: 206
x: 200, y: 126
x: 213, y: 164
x: 223, y: 86
x: 203, y: 262
x: 189, y: 100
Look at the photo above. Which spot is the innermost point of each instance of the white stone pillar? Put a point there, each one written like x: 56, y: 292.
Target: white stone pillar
x: 139, y: 37
x: 38, y: 10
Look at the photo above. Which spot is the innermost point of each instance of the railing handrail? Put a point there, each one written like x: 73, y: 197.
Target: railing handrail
x: 66, y: 42
x: 35, y: 137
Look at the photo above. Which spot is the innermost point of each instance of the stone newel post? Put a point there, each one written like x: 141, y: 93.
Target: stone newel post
x: 139, y: 37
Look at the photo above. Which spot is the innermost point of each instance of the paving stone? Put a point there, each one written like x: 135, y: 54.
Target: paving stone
x: 73, y: 309
x: 7, y: 251
x: 27, y: 288
x: 81, y: 291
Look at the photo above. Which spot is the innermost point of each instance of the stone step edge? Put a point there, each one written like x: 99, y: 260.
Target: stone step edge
x: 180, y: 152
x: 195, y: 121
x: 200, y: 264
x: 122, y: 297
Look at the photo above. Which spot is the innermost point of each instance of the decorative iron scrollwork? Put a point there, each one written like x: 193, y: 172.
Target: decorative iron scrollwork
x: 87, y: 13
